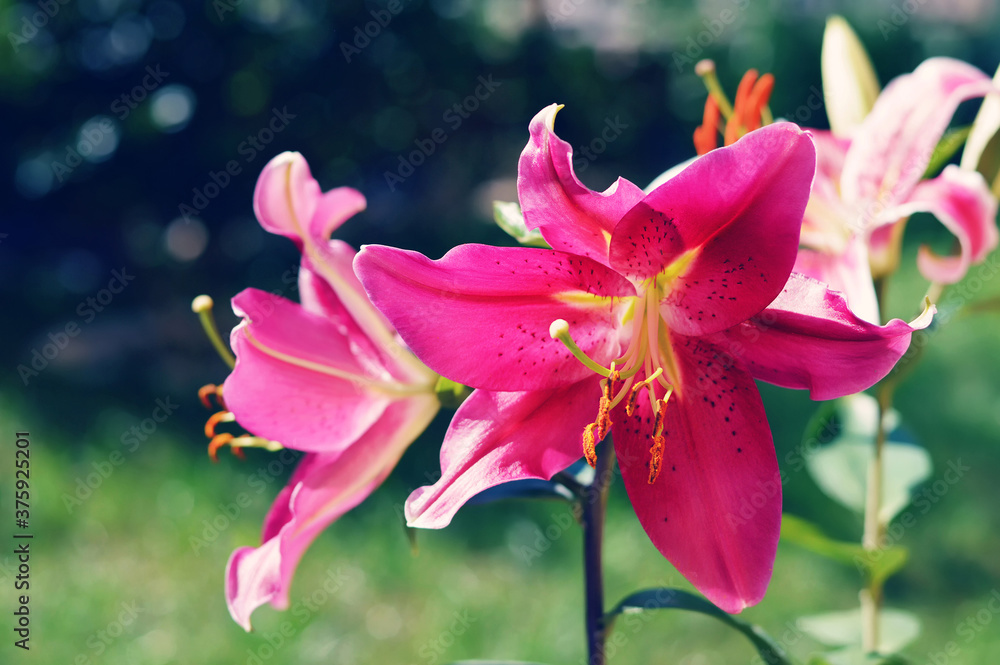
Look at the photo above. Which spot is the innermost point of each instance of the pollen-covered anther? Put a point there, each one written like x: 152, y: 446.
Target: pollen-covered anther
x: 211, y: 389
x: 659, y: 442
x: 215, y: 419
x: 603, y: 421
x: 590, y: 444
x: 637, y: 388
x: 220, y: 440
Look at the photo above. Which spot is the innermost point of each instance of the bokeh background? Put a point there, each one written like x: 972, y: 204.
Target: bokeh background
x: 118, y: 112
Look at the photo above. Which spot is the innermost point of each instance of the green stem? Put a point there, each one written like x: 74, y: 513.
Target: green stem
x: 593, y: 505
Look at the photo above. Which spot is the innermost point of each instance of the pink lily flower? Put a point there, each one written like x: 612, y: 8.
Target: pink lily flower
x: 869, y: 181
x: 650, y: 311
x: 328, y: 376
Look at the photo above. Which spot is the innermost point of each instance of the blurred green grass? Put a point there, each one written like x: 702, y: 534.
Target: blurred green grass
x: 471, y: 592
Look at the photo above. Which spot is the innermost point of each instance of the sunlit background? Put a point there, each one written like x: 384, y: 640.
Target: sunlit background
x: 120, y: 120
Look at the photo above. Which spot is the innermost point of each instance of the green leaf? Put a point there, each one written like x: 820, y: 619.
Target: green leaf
x: 667, y: 598
x: 949, y: 144
x: 855, y: 656
x: 840, y: 468
x: 509, y: 218
x: 877, y: 565
x: 843, y: 629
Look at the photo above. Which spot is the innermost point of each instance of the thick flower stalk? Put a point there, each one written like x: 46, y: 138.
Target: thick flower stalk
x: 328, y: 376
x: 870, y: 179
x: 650, y: 317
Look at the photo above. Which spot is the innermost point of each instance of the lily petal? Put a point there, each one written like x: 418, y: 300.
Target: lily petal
x: 298, y: 379
x: 848, y: 273
x: 323, y: 488
x: 480, y: 315
x: 809, y: 339
x: 496, y: 437
x: 892, y: 148
x: 824, y: 226
x: 963, y: 202
x: 570, y: 216
x: 715, y: 508
x: 288, y: 201
x: 733, y: 219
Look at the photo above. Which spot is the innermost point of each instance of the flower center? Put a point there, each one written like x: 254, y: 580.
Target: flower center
x: 647, y: 367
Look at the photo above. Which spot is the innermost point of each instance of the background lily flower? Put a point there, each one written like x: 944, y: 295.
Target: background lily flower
x: 327, y: 376
x: 869, y: 179
x: 648, y: 317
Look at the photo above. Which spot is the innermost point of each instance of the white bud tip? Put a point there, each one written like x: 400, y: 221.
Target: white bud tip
x: 202, y: 304
x: 558, y: 328
x: 704, y: 67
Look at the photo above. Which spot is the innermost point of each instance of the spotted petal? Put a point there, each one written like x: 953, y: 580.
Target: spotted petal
x: 809, y: 339
x: 725, y: 230
x: 481, y: 315
x: 715, y: 508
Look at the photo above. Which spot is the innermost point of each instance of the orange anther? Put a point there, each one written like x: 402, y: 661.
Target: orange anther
x: 659, y: 442
x: 211, y: 389
x: 220, y: 440
x: 590, y: 444
x: 706, y: 136
x: 216, y: 443
x: 736, y: 127
x: 215, y: 419
x: 757, y: 100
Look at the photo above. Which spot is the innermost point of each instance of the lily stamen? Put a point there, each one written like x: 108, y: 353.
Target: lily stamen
x: 559, y: 329
x: 630, y: 405
x: 221, y: 440
x: 211, y: 389
x: 202, y: 306
x: 215, y: 419
x: 659, y: 441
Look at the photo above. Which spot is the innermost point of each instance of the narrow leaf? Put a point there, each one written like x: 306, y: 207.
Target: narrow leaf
x: 949, y: 144
x: 666, y: 598
x: 897, y: 629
